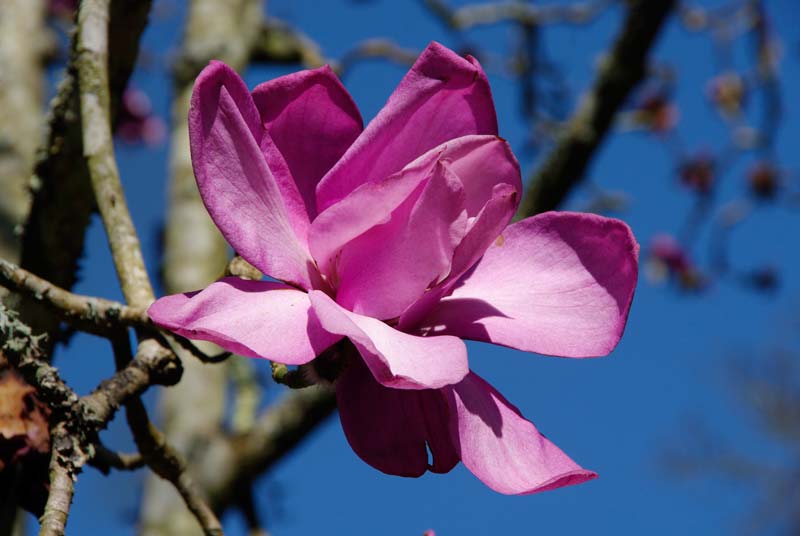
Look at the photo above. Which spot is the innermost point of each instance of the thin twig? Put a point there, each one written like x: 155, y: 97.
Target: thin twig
x: 164, y: 460
x: 91, y: 314
x: 106, y: 459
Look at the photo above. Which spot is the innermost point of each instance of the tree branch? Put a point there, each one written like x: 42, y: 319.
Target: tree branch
x: 94, y: 315
x: 52, y: 239
x: 623, y: 68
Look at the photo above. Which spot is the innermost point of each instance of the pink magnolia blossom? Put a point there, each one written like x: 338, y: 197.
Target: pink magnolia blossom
x: 395, y: 237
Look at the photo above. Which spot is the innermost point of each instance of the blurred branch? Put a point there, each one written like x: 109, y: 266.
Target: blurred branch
x: 195, y: 253
x: 376, y: 48
x: 469, y: 16
x: 162, y: 458
x: 279, y: 429
x: 623, y: 68
x: 24, y: 40
x: 277, y: 42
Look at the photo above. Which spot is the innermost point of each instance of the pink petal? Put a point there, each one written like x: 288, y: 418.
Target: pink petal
x: 388, y: 268
x: 251, y: 318
x: 484, y: 230
x: 388, y: 428
x: 312, y: 120
x: 396, y: 359
x: 369, y: 205
x: 443, y: 96
x: 238, y: 188
x: 503, y: 449
x: 559, y: 283
x: 480, y: 162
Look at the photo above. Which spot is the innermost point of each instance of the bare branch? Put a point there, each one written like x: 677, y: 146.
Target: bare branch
x: 623, y: 68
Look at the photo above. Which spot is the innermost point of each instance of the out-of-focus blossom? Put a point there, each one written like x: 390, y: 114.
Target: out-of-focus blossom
x: 764, y: 279
x: 727, y: 92
x: 136, y: 122
x: 698, y: 172
x: 763, y: 180
x: 392, y: 245
x: 655, y: 111
x: 668, y: 260
x: 62, y: 9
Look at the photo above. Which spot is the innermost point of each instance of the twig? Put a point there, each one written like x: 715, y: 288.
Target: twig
x: 98, y: 149
x: 278, y: 430
x: 377, y: 48
x: 277, y: 42
x: 106, y: 459
x: 621, y: 71
x: 91, y: 314
x: 164, y: 460
x: 470, y: 16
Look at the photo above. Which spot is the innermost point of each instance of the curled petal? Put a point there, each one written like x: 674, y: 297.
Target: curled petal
x: 503, y: 449
x: 559, y: 284
x: 238, y: 188
x: 251, y: 318
x: 396, y: 359
x: 312, y: 120
x: 443, y: 97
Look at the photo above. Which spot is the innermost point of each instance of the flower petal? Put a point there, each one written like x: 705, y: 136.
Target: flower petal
x: 388, y: 268
x: 484, y: 230
x: 312, y: 120
x: 503, y: 449
x: 251, y: 318
x: 559, y: 283
x: 388, y: 428
x: 443, y: 96
x: 396, y: 359
x: 238, y: 188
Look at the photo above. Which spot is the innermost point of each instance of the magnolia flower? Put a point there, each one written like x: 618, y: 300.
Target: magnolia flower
x: 394, y: 237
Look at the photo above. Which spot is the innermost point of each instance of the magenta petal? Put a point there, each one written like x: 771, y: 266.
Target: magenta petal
x: 237, y: 187
x: 503, y: 449
x: 389, y: 267
x: 388, y: 428
x: 443, y: 96
x: 396, y: 359
x: 312, y: 120
x: 251, y: 318
x: 484, y: 230
x: 559, y: 283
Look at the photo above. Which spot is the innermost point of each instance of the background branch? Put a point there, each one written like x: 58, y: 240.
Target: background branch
x: 620, y: 71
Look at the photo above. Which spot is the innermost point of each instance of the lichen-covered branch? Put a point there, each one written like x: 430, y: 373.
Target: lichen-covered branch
x: 619, y: 73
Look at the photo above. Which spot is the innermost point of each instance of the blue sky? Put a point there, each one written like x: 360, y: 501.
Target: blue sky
x: 614, y: 415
